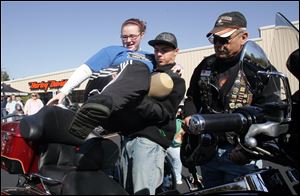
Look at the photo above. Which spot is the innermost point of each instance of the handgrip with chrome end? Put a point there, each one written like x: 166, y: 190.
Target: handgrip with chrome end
x: 234, y: 122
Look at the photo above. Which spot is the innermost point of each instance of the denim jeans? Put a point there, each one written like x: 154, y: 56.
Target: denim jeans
x: 142, y: 164
x: 220, y: 170
x: 174, y: 153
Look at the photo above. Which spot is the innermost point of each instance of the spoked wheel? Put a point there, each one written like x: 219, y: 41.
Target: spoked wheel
x: 169, y: 181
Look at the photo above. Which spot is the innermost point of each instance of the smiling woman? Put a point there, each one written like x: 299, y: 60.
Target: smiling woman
x: 132, y: 33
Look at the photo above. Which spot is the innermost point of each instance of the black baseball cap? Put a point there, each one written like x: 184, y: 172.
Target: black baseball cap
x: 164, y: 38
x: 227, y: 23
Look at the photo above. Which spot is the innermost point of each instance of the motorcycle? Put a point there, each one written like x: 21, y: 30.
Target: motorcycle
x: 50, y: 160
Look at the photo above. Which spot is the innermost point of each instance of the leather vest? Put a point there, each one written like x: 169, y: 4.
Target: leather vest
x: 223, y: 91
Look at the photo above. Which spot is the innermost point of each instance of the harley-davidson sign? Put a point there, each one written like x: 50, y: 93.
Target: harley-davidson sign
x: 51, y: 84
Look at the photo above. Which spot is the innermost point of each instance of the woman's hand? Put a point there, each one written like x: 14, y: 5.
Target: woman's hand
x: 57, y: 99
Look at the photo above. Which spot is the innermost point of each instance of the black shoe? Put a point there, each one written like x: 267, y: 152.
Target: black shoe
x: 91, y: 114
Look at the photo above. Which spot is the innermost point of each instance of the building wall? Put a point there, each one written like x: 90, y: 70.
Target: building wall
x: 276, y: 46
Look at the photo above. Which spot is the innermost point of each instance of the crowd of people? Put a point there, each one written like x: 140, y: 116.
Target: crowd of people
x: 13, y: 105
x: 151, y: 126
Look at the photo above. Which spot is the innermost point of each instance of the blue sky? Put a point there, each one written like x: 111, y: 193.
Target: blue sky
x: 49, y: 36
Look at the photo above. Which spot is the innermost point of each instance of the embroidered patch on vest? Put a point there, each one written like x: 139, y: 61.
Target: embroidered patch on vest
x: 240, y: 94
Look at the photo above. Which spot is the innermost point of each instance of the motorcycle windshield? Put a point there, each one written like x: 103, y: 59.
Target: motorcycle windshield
x: 281, y: 41
x: 282, y: 21
x: 285, y: 40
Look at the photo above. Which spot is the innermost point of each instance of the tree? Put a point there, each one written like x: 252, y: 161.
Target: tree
x: 4, y: 76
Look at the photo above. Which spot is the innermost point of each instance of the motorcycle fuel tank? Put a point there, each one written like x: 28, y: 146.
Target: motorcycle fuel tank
x: 17, y: 154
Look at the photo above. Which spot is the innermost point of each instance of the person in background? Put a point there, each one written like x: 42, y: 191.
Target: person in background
x: 11, y: 104
x: 33, y: 105
x: 3, y: 105
x: 19, y: 101
x: 18, y: 113
x: 235, y: 89
x: 18, y: 109
x: 174, y: 150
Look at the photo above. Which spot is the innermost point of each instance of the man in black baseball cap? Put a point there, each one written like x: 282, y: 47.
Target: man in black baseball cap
x: 164, y: 38
x: 227, y: 23
x: 146, y: 147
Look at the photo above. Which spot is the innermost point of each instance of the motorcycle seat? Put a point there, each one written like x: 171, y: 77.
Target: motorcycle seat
x: 57, y: 146
x: 49, y: 125
x: 93, y: 155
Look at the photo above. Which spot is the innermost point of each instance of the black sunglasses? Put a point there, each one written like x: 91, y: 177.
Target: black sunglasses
x: 215, y: 39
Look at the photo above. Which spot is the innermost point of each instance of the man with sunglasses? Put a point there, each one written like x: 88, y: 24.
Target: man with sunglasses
x: 219, y: 85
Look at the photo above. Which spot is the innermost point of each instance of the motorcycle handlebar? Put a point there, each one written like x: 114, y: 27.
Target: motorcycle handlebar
x: 248, y: 120
x: 238, y: 121
x: 234, y: 122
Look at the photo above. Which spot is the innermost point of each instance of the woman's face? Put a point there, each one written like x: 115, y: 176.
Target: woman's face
x: 131, y: 37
